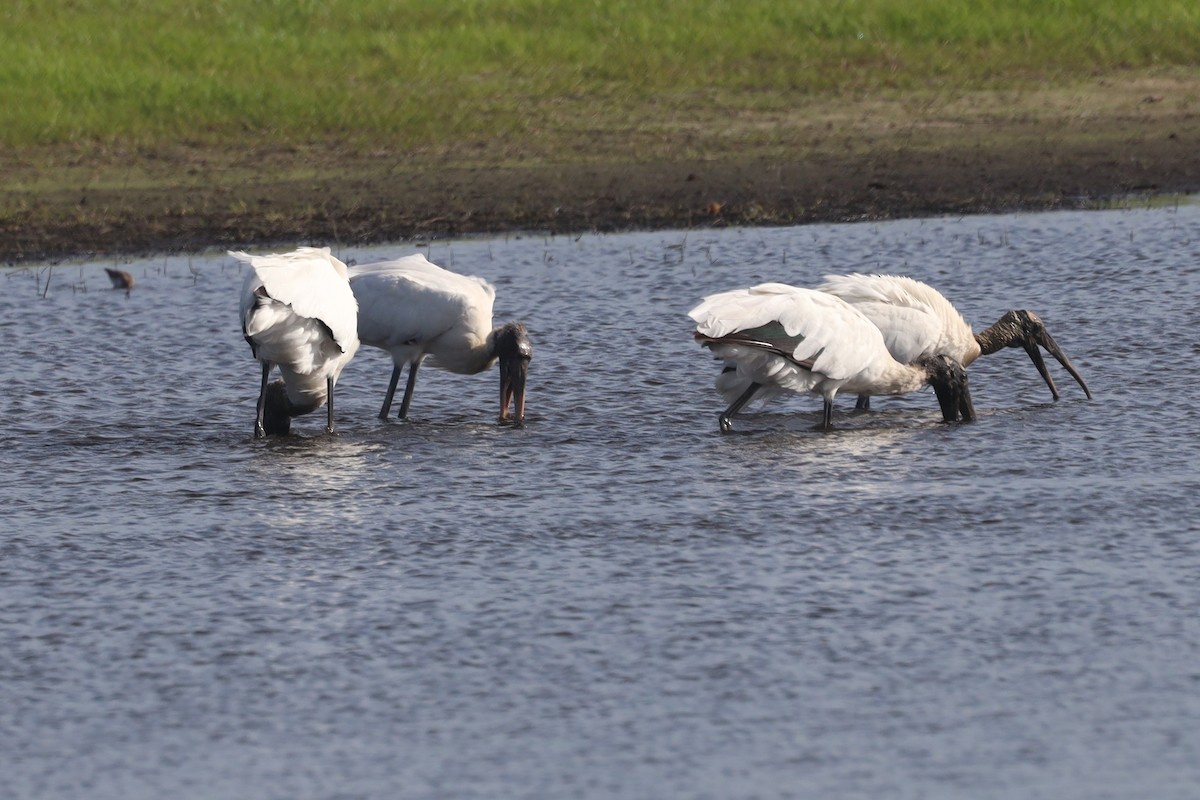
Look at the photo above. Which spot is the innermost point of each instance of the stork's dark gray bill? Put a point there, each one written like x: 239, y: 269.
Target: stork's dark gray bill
x: 1042, y: 337
x: 512, y: 348
x: 513, y: 375
x: 1026, y: 330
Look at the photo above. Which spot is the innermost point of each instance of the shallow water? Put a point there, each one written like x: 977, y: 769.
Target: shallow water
x: 615, y: 600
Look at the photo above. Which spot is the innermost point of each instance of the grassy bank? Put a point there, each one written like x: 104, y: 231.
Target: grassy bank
x: 163, y: 124
x: 424, y: 73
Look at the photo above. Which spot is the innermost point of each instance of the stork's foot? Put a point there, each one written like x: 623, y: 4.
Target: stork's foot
x: 259, y: 433
x: 726, y: 424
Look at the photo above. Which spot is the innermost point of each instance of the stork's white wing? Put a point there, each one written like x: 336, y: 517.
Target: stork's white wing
x: 818, y: 327
x: 418, y: 267
x: 312, y: 282
x: 915, y: 318
x: 908, y: 333
x: 413, y: 300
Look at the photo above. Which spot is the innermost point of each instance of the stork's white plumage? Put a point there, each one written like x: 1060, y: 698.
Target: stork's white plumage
x: 299, y: 314
x: 916, y: 320
x: 414, y: 309
x: 802, y: 340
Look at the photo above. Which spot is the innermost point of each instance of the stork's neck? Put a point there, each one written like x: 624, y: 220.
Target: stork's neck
x: 478, y: 353
x: 305, y: 392
x: 890, y: 378
x: 473, y: 355
x: 1005, y: 332
x: 283, y: 403
x: 907, y: 378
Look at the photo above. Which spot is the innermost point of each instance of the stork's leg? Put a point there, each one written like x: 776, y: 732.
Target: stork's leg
x: 329, y: 419
x: 726, y: 418
x: 408, y: 388
x: 259, y: 431
x: 827, y: 417
x: 391, y: 392
x: 863, y: 403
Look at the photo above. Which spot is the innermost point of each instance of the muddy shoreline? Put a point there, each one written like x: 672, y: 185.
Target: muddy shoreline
x: 350, y: 199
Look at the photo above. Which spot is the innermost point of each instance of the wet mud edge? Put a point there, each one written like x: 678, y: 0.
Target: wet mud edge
x: 354, y: 200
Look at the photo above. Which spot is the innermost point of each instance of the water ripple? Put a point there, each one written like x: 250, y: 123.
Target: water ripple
x: 615, y: 600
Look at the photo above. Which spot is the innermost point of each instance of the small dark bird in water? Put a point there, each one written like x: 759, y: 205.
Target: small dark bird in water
x: 120, y: 279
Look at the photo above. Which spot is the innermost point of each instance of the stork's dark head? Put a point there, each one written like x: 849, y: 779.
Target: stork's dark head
x: 277, y: 410
x: 1026, y: 330
x: 949, y: 382
x: 512, y: 348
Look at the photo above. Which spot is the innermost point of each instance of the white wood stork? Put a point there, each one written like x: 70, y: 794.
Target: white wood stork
x: 414, y: 309
x: 299, y: 314
x: 916, y: 320
x: 802, y: 340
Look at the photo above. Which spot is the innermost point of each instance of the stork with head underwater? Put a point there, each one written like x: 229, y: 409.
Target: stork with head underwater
x: 298, y: 314
x: 779, y: 337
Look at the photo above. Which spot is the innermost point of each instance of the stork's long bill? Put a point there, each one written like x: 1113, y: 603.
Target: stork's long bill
x: 1053, y: 349
x: 514, y: 352
x: 1026, y: 330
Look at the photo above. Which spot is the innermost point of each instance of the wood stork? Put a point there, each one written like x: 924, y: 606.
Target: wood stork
x: 299, y: 314
x: 916, y: 320
x: 785, y: 337
x: 413, y: 309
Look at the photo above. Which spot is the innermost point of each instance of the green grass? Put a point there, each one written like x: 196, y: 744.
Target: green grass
x: 416, y: 73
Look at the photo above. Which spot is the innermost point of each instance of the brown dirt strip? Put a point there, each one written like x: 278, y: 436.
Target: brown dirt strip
x: 67, y: 204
